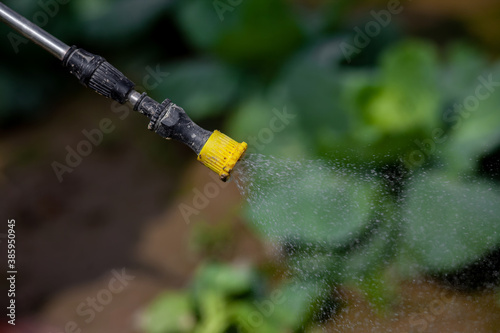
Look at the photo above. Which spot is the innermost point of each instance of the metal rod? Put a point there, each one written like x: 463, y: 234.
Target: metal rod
x: 134, y: 97
x: 33, y: 32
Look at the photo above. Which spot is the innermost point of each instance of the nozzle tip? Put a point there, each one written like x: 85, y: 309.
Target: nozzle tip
x: 220, y: 153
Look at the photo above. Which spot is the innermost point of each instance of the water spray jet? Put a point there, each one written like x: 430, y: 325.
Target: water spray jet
x: 215, y: 150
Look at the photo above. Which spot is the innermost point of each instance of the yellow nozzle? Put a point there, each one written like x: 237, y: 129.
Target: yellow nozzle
x: 220, y: 153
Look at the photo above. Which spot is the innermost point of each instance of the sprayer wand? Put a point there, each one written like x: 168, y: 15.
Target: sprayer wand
x: 214, y: 149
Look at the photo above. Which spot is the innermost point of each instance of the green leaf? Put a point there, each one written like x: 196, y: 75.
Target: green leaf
x: 286, y: 309
x: 254, y: 120
x: 364, y: 258
x: 260, y: 32
x: 108, y: 20
x: 200, y: 22
x: 317, y: 267
x: 474, y: 130
x: 369, y: 259
x: 309, y: 201
x: 253, y: 115
x: 459, y: 73
x: 296, y: 302
x: 451, y: 223
x: 223, y: 279
x: 312, y: 87
x: 391, y: 106
x: 407, y: 98
x: 203, y: 88
x: 171, y: 312
x: 213, y: 312
x: 249, y: 319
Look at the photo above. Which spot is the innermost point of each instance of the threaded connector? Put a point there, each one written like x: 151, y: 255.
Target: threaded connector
x: 95, y: 72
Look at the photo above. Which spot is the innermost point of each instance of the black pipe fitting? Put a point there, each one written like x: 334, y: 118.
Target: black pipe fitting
x: 171, y: 122
x: 95, y: 72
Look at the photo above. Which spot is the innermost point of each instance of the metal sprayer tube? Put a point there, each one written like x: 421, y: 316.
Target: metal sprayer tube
x: 33, y: 32
x: 214, y: 149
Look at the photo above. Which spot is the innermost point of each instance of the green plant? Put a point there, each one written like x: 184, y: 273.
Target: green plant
x: 405, y: 166
x: 224, y: 298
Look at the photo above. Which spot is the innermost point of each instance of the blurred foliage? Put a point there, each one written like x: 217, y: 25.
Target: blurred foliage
x: 203, y: 86
x: 438, y: 212
x: 465, y: 220
x: 224, y: 298
x: 258, y: 35
x: 391, y: 114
